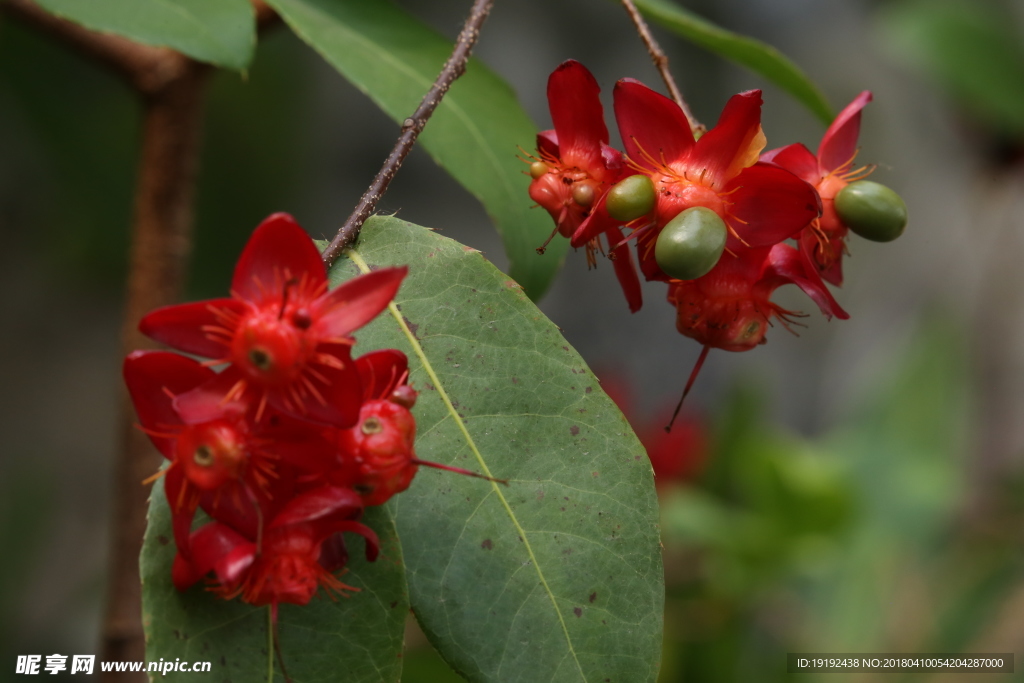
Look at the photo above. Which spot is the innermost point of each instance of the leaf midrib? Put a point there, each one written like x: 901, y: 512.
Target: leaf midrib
x: 357, y: 258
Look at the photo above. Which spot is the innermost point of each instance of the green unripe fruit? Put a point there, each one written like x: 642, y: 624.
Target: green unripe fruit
x: 690, y: 244
x: 631, y: 198
x: 871, y: 210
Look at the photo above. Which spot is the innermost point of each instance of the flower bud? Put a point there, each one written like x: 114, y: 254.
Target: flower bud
x: 537, y: 169
x: 690, y: 244
x: 872, y: 210
x: 631, y: 198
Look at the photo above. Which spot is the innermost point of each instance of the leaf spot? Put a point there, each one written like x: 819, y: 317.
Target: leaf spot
x: 413, y: 327
x: 574, y: 430
x: 163, y: 539
x: 578, y: 611
x: 487, y: 545
x: 593, y: 596
x: 588, y: 390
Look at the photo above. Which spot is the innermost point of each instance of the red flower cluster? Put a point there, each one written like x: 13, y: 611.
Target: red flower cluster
x: 709, y: 215
x: 286, y: 445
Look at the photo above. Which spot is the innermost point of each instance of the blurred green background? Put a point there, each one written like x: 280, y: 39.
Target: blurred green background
x: 863, y: 487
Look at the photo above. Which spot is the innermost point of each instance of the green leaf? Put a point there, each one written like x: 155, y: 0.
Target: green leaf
x: 753, y: 54
x: 221, y: 32
x: 557, y: 576
x: 360, y: 635
x: 475, y: 133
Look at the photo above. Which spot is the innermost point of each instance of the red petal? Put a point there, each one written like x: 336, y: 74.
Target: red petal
x: 209, y: 545
x: 206, y: 402
x: 332, y: 503
x: 729, y: 147
x: 277, y: 246
x: 625, y: 271
x: 356, y: 302
x: 575, y: 103
x: 381, y: 371
x: 340, y: 390
x: 547, y: 143
x: 839, y: 144
x: 232, y: 566
x: 185, y: 326
x: 372, y: 542
x: 148, y: 374
x: 796, y: 159
x: 176, y: 489
x: 594, y: 224
x: 785, y: 265
x: 833, y: 273
x: 654, y: 129
x: 769, y: 204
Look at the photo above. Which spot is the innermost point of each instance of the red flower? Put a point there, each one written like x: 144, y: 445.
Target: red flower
x: 285, y: 336
x: 228, y: 465
x: 577, y: 168
x: 291, y: 560
x: 823, y: 241
x: 377, y: 453
x: 760, y: 204
x: 730, y: 307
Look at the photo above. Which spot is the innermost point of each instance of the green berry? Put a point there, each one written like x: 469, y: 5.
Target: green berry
x: 690, y: 244
x: 631, y: 198
x: 871, y: 210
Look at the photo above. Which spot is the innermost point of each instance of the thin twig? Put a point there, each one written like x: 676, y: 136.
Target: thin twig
x: 660, y: 60
x: 411, y: 128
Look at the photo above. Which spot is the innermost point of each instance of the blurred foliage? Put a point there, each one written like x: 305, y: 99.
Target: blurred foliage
x: 973, y: 51
x: 851, y: 542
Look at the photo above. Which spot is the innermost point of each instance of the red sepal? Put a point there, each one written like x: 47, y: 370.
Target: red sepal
x: 839, y: 144
x: 575, y: 103
x: 654, y: 129
x: 381, y: 372
x: 279, y: 249
x: 770, y: 204
x: 725, y: 150
x: 355, y: 303
x: 187, y: 327
x: 785, y: 265
x: 796, y: 159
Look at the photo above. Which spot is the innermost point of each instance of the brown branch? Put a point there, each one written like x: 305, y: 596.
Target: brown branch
x: 411, y: 128
x: 660, y: 60
x: 146, y: 69
x: 160, y: 245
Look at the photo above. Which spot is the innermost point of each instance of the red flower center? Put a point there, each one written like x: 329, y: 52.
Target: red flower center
x: 212, y: 453
x: 271, y: 350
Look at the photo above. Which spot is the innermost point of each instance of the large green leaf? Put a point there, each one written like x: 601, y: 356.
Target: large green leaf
x: 217, y: 31
x: 556, y: 577
x: 475, y: 133
x: 360, y: 635
x: 753, y: 54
